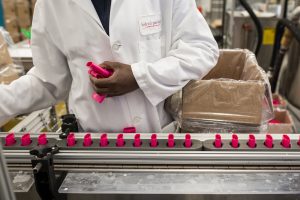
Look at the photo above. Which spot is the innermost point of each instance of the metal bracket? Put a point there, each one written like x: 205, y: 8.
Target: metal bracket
x: 69, y: 124
x: 46, y: 181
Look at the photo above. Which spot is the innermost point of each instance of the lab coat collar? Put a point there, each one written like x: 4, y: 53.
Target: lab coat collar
x: 89, y: 8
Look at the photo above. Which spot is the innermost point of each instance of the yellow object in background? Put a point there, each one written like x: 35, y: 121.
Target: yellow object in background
x: 11, y: 124
x: 269, y: 36
x: 61, y: 109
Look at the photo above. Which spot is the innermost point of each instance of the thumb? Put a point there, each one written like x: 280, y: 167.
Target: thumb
x: 111, y: 65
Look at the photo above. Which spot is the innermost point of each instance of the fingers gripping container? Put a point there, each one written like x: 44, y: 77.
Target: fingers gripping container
x: 98, y: 72
x: 132, y: 142
x: 251, y: 142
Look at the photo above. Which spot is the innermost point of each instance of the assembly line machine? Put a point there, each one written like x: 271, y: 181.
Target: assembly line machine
x: 153, y: 166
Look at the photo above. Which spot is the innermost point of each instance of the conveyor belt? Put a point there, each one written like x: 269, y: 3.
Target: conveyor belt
x: 229, y: 161
x: 202, y: 152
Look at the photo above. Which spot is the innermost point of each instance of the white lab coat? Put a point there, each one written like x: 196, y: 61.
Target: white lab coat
x: 167, y: 43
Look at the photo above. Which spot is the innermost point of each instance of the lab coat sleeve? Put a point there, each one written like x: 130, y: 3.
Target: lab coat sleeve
x: 193, y: 53
x: 45, y: 84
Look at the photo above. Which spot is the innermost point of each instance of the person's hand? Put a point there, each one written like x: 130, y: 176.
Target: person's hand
x: 119, y: 83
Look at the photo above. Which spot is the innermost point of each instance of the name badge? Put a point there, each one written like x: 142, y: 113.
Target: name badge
x: 150, y: 24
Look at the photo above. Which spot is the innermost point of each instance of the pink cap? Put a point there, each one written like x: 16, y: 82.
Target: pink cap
x: 42, y: 139
x: 286, y: 141
x: 275, y: 121
x: 94, y: 74
x: 120, y: 141
x: 87, y: 140
x: 99, y: 70
x: 298, y: 141
x: 98, y: 98
x: 171, y: 141
x: 188, y: 141
x: 218, y: 141
x: 26, y: 140
x: 251, y: 141
x: 103, y: 140
x: 235, y: 141
x: 269, y: 141
x: 71, y: 140
x: 10, y: 139
x: 153, y: 141
x: 137, y: 140
x: 276, y: 102
x: 129, y: 130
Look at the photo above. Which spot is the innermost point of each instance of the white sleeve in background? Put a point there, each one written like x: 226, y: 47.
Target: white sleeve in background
x: 46, y: 83
x: 194, y: 52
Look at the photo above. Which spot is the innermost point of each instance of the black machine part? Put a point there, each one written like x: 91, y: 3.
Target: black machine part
x: 289, y: 81
x: 46, y: 181
x: 281, y: 47
x: 257, y: 23
x: 69, y: 124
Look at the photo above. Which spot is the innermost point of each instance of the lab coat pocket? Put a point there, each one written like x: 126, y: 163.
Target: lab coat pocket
x: 150, y: 49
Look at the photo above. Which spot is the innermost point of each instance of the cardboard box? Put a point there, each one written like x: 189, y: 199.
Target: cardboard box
x: 23, y: 13
x: 5, y: 58
x: 235, y: 91
x: 9, y: 8
x: 234, y: 96
x: 11, y: 25
x: 286, y: 124
x: 16, y: 37
x: 8, y: 74
x: 17, y: 15
x: 279, y: 102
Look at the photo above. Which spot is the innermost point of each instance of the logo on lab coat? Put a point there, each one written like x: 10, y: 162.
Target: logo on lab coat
x: 150, y: 24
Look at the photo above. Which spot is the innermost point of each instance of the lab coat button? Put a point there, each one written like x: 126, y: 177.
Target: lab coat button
x: 116, y: 46
x: 136, y: 120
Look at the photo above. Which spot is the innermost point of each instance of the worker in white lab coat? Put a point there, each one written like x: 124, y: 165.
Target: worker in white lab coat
x: 155, y: 47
